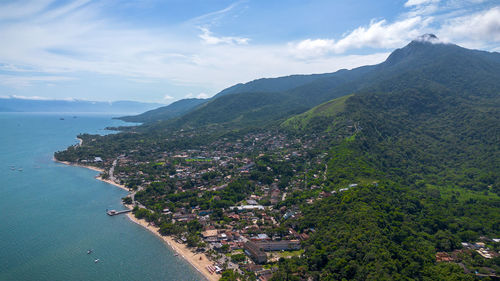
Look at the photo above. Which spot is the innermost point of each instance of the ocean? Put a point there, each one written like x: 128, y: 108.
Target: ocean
x: 51, y: 213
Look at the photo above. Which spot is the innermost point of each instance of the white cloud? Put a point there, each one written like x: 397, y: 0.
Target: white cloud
x: 382, y: 35
x: 25, y: 81
x: 168, y: 97
x: 411, y: 3
x: 208, y: 38
x: 215, y: 16
x: 36, y: 98
x: 379, y: 34
x: 313, y: 47
x: 481, y: 26
x: 188, y: 96
x: 19, y: 9
x: 202, y: 96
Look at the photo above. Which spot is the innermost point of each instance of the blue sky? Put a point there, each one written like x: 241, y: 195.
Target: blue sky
x: 162, y: 51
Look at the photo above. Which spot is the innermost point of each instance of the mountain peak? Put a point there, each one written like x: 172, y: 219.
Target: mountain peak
x: 423, y: 47
x: 428, y: 37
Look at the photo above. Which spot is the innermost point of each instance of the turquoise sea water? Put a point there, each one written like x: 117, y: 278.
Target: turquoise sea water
x: 52, y: 213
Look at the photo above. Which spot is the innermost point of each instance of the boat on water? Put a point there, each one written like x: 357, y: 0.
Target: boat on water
x: 20, y: 169
x: 96, y: 261
x: 89, y: 252
x: 176, y: 254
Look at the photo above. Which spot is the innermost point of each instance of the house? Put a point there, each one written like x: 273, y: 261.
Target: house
x: 247, y: 207
x: 260, y: 237
x: 252, y: 202
x: 443, y: 257
x: 184, y: 217
x: 265, y: 276
x: 204, y: 212
x: 283, y: 245
x: 253, y: 267
x: 288, y: 215
x: 209, y: 233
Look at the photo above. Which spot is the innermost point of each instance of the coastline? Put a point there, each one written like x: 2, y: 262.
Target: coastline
x: 182, y: 250
x: 93, y: 169
x: 113, y: 183
x: 78, y: 165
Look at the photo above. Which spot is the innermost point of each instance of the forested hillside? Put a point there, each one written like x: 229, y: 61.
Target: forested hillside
x: 427, y: 159
x: 170, y: 111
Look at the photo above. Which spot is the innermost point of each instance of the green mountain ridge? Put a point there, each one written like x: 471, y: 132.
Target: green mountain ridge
x: 418, y: 59
x: 425, y: 151
x: 184, y: 106
x: 170, y: 111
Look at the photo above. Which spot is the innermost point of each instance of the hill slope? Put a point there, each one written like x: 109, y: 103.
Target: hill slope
x: 170, y: 111
x: 431, y: 142
x: 268, y: 85
x: 279, y: 84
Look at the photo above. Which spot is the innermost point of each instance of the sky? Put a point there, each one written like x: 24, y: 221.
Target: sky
x: 165, y: 50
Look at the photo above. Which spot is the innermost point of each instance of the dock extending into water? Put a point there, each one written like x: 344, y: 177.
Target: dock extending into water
x: 115, y: 212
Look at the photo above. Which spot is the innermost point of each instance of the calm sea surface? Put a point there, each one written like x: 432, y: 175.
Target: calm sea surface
x: 50, y: 213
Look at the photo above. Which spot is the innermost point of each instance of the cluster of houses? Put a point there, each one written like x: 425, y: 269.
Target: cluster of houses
x: 468, y: 249
x: 481, y: 248
x: 251, y: 225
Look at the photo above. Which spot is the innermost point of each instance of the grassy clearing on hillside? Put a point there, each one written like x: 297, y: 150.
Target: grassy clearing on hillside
x: 325, y: 110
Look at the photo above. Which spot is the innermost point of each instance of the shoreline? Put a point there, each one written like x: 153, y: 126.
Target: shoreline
x: 181, y: 249
x: 98, y: 177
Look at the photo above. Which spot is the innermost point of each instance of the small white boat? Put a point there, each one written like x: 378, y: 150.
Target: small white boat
x: 96, y: 261
x: 175, y: 255
x: 89, y: 252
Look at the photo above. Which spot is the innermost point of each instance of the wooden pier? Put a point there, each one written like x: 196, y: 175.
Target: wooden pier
x: 115, y: 212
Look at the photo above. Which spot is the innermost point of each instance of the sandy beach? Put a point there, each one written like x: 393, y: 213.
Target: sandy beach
x: 78, y: 165
x: 113, y: 183
x: 94, y: 169
x: 181, y: 249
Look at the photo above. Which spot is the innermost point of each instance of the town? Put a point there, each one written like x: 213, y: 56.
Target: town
x: 233, y: 199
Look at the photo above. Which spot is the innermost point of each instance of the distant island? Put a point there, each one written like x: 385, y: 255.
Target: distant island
x: 382, y: 172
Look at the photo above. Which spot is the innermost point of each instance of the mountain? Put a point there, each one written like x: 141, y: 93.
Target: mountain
x: 256, y: 108
x: 30, y: 105
x: 170, y: 111
x: 420, y: 61
x: 184, y: 106
x: 423, y: 147
x: 278, y: 84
